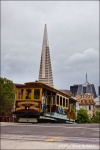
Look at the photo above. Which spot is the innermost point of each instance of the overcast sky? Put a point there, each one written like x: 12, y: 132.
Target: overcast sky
x: 73, y: 34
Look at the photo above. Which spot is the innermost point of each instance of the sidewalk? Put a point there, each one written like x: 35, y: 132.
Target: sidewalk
x: 7, y: 123
x: 28, y: 145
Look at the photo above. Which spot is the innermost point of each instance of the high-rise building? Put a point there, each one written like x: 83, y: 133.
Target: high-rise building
x: 83, y: 88
x: 85, y: 94
x: 45, y: 72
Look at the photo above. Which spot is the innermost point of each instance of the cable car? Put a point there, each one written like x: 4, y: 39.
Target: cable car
x: 36, y: 101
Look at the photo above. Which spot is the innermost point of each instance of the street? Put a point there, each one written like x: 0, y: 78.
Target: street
x: 63, y: 133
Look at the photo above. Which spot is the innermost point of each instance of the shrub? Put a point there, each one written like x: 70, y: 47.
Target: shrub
x: 96, y: 117
x: 82, y: 116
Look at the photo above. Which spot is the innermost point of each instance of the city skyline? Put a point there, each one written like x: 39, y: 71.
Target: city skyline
x: 73, y: 28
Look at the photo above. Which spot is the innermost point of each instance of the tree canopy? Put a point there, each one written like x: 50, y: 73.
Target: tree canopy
x: 7, y: 95
x: 82, y: 116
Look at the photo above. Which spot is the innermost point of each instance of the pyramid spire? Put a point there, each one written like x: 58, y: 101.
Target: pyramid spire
x: 45, y: 37
x: 86, y: 82
x: 45, y: 72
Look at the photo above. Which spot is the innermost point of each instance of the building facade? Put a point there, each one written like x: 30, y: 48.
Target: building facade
x: 86, y: 101
x: 45, y: 72
x: 97, y: 103
x: 85, y: 94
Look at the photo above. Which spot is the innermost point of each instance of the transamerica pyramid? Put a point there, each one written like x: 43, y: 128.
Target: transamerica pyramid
x: 45, y: 72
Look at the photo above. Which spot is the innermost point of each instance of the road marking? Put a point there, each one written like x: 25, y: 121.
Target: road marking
x: 52, y: 139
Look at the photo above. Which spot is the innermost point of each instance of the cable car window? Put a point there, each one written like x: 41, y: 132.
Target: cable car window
x: 57, y: 99
x: 53, y: 100
x: 64, y: 102
x: 36, y: 93
x: 61, y: 101
x: 20, y: 93
x: 28, y: 93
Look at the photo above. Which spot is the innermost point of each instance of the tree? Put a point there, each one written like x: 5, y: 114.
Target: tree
x: 82, y: 116
x: 96, y: 117
x: 7, y: 95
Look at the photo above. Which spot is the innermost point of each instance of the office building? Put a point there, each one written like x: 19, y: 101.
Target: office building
x: 45, y: 72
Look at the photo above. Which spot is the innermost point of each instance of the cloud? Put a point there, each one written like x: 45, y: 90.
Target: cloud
x: 88, y: 55
x: 72, y: 70
x: 73, y: 33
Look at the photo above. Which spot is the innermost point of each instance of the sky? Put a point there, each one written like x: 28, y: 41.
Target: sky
x: 73, y: 34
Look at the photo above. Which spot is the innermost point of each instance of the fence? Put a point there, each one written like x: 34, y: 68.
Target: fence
x: 7, y: 119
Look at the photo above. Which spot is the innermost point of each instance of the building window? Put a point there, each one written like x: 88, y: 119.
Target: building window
x: 89, y: 107
x: 84, y: 89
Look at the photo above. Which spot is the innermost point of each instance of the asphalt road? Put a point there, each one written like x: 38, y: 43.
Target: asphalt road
x: 75, y: 133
